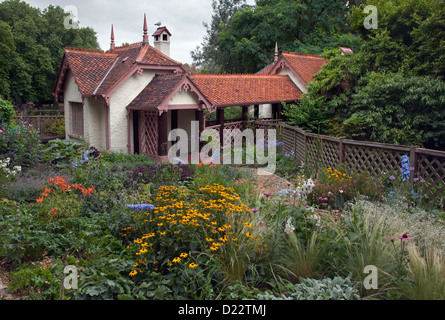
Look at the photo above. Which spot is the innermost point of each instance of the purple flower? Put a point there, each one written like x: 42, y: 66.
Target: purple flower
x: 140, y: 207
x: 405, y: 237
x: 392, y: 178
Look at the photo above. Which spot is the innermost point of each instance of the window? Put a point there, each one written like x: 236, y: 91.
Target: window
x: 77, y: 118
x: 164, y: 37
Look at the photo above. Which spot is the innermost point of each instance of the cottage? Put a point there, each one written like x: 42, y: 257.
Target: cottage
x: 128, y: 98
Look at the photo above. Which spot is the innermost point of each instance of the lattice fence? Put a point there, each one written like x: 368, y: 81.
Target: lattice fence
x: 148, y: 132
x: 376, y: 158
x: 45, y: 124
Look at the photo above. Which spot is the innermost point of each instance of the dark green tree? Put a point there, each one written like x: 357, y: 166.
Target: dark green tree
x: 392, y: 89
x: 33, y: 45
x: 246, y: 42
x: 207, y: 55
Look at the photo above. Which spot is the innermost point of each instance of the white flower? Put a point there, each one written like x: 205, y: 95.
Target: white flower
x: 289, y: 228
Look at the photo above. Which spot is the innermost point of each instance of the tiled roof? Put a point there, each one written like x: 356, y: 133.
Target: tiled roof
x: 89, y: 68
x: 226, y: 90
x: 307, y: 65
x: 156, y: 92
x: 160, y: 30
x: 267, y: 69
x: 96, y: 72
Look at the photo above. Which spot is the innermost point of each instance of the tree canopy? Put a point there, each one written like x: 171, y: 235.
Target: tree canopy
x: 32, y: 43
x: 392, y: 89
x: 245, y: 41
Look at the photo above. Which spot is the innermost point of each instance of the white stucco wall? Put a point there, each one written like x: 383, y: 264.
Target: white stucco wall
x: 121, y: 98
x: 94, y: 118
x: 163, y: 46
x: 184, y: 97
x: 298, y: 82
x: 71, y: 94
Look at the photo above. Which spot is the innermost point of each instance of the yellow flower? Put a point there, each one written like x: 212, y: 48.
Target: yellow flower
x: 192, y: 265
x: 184, y: 255
x: 133, y: 273
x: 176, y: 260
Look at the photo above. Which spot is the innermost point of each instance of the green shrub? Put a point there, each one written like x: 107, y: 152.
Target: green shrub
x: 61, y: 152
x: 21, y: 144
x: 312, y: 289
x: 6, y: 113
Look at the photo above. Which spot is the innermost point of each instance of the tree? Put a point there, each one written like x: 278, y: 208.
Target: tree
x: 392, y: 89
x: 33, y: 43
x: 246, y: 42
x: 207, y: 54
x: 7, y: 49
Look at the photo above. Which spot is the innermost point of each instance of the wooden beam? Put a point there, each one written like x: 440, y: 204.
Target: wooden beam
x: 221, y: 120
x: 162, y: 134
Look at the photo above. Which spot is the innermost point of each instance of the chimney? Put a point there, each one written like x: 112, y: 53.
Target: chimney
x: 162, y: 40
x: 145, y: 37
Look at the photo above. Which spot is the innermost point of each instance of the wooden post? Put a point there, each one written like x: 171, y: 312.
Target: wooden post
x: 413, y: 162
x: 256, y: 112
x: 162, y: 134
x: 341, y: 149
x: 220, y: 119
x: 245, y: 113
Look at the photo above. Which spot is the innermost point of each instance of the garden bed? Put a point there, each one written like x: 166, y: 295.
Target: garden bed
x: 135, y: 229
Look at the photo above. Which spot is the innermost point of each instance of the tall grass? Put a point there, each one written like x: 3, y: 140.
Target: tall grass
x: 299, y: 260
x: 426, y: 275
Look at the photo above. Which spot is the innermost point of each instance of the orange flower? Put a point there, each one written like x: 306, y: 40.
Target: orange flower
x: 39, y: 200
x: 54, y: 211
x: 200, y: 164
x: 213, y: 166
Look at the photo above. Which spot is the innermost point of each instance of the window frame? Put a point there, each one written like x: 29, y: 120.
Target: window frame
x: 77, y: 119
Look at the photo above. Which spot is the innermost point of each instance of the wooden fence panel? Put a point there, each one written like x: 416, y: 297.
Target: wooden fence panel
x: 376, y: 158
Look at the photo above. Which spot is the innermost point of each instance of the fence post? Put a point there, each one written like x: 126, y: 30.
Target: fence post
x: 341, y: 150
x: 413, y: 162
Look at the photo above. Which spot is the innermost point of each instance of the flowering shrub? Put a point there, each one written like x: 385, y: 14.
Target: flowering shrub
x: 4, y: 166
x: 21, y: 144
x: 335, y: 187
x: 211, y: 220
x: 61, y: 200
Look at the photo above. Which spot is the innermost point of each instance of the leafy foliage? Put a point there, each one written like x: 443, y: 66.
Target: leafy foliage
x: 245, y: 42
x: 32, y: 45
x: 392, y: 89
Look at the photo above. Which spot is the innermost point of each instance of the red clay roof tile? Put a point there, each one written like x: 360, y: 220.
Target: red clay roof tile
x: 156, y: 92
x: 242, y: 89
x: 307, y: 65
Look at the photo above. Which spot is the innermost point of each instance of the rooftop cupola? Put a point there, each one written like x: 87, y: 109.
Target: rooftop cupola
x: 162, y: 40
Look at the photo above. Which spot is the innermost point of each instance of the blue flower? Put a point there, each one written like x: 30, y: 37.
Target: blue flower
x: 405, y: 168
x: 140, y: 207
